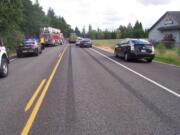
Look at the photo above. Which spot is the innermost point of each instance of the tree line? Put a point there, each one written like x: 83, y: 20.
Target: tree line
x: 21, y: 18
x: 128, y: 31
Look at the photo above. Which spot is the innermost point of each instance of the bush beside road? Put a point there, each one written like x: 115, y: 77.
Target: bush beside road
x: 164, y: 55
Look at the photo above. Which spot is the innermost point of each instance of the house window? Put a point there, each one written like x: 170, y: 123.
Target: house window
x: 168, y: 20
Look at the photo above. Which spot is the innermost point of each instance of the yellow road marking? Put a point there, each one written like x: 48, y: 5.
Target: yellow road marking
x: 59, y: 55
x: 40, y: 100
x: 31, y: 101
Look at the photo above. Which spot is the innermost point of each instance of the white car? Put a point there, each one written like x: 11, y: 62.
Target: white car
x: 4, y: 61
x: 78, y: 41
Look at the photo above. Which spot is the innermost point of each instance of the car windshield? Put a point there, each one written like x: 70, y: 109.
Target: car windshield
x: 86, y: 40
x: 26, y: 43
x: 140, y: 42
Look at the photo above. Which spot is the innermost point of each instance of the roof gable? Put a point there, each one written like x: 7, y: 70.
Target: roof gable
x: 174, y: 14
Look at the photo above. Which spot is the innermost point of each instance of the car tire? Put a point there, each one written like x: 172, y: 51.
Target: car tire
x: 115, y: 54
x: 4, y: 67
x: 127, y: 57
x: 149, y: 60
x: 19, y: 55
x: 37, y: 52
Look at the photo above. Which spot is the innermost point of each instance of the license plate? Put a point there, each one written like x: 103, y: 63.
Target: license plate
x: 24, y: 51
x: 143, y: 51
x: 31, y: 51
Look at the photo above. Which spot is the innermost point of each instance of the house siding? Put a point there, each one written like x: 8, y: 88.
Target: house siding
x: 156, y: 35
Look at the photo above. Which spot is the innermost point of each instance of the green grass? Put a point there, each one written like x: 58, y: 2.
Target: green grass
x: 169, y: 56
x: 168, y: 60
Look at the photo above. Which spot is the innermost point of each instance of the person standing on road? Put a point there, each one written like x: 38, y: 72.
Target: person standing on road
x: 42, y: 41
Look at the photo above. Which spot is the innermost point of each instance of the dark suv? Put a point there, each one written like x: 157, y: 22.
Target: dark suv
x: 86, y: 42
x: 135, y: 49
x: 29, y: 46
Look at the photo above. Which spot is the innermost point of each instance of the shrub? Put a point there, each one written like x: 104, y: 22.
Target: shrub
x: 169, y: 41
x: 169, y: 44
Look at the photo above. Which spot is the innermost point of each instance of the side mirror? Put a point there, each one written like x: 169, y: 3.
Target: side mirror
x: 1, y: 43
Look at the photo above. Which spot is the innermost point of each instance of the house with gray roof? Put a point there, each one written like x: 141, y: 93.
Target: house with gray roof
x: 167, y: 25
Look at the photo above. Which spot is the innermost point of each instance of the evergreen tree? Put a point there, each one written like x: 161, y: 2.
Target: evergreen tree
x: 84, y: 32
x: 77, y: 31
x: 138, y: 31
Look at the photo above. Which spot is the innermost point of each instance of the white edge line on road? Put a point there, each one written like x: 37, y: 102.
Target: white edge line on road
x: 142, y: 76
x: 12, y: 60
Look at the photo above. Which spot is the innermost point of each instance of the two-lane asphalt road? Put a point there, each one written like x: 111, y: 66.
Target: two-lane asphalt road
x: 80, y: 91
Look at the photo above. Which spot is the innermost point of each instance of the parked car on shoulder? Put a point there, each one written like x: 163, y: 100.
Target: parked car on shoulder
x: 86, y: 42
x: 29, y: 46
x: 78, y: 41
x: 135, y: 49
x: 4, y: 60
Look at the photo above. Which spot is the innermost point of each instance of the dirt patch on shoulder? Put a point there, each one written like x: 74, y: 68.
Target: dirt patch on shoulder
x: 105, y: 48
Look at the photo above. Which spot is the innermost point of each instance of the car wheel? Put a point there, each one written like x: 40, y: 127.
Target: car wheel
x: 127, y: 57
x: 37, y: 52
x: 4, y: 68
x: 149, y: 60
x: 19, y: 55
x: 115, y: 54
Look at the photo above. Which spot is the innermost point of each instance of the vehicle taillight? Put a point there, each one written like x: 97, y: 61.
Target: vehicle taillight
x: 153, y: 50
x: 18, y: 46
x: 33, y: 46
x: 132, y: 48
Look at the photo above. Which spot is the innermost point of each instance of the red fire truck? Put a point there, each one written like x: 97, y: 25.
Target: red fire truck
x: 52, y: 36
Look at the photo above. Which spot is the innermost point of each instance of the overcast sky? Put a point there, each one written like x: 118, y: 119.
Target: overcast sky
x: 110, y: 13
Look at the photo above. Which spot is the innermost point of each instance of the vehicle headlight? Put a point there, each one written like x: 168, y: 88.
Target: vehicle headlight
x: 153, y: 50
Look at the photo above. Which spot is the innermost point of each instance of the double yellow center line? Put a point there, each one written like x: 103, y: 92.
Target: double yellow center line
x: 31, y: 101
x: 33, y: 115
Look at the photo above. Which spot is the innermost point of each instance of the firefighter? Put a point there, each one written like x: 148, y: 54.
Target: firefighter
x: 42, y: 42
